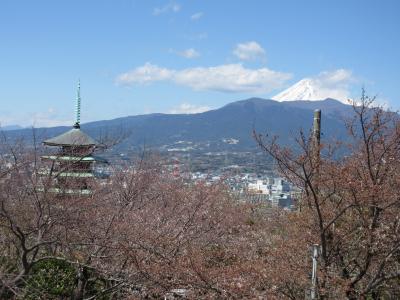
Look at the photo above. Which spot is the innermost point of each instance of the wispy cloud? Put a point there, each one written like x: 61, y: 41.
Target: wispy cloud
x: 187, y: 108
x: 334, y: 84
x: 169, y: 7
x: 249, y: 51
x: 145, y: 74
x: 196, y: 37
x: 201, y: 36
x: 188, y: 53
x: 233, y: 78
x: 196, y: 16
x: 48, y: 118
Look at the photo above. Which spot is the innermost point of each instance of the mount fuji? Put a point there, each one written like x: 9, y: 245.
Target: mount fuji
x: 309, y: 89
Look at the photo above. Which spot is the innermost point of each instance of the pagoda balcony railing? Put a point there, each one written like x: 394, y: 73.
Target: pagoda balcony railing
x: 66, y: 174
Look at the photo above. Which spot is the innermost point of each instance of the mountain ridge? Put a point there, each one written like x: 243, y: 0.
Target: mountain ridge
x: 209, y: 129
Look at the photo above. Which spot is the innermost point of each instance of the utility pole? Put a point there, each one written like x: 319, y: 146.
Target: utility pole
x: 315, y: 251
x: 316, y: 145
x: 317, y: 126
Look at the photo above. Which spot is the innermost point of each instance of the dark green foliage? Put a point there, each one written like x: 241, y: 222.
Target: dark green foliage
x: 58, y: 279
x: 50, y: 279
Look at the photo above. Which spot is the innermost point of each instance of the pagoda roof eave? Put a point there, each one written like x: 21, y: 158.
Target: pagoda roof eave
x: 74, y: 138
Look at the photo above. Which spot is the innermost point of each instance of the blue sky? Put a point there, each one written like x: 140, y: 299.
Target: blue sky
x: 136, y: 57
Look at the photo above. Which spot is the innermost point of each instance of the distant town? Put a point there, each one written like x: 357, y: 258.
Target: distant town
x: 249, y: 175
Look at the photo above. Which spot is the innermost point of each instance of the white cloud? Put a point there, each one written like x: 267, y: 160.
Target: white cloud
x: 189, y: 53
x: 334, y: 84
x: 231, y: 78
x: 145, y: 74
x: 335, y: 77
x: 170, y: 7
x: 187, y: 108
x: 196, y: 16
x: 224, y: 78
x: 48, y: 118
x: 249, y: 51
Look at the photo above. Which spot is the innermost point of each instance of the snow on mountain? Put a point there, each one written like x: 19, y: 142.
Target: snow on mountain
x: 311, y: 90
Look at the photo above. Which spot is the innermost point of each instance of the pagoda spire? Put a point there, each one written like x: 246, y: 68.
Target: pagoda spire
x: 78, y: 107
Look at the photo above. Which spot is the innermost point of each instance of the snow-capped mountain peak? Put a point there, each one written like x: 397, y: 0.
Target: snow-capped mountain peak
x: 311, y: 90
